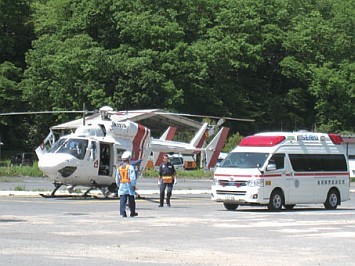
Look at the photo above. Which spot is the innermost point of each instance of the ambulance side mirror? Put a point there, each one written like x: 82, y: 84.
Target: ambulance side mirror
x: 271, y: 167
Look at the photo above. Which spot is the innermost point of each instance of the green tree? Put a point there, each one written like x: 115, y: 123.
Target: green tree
x: 16, y: 31
x: 16, y: 34
x: 232, y: 141
x: 322, y: 59
x: 274, y: 60
x: 335, y: 93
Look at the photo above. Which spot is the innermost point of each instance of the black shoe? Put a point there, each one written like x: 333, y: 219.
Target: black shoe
x: 160, y: 205
x: 168, y: 205
x: 134, y: 214
x: 123, y: 216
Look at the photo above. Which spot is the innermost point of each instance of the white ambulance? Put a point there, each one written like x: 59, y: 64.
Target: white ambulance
x: 279, y: 169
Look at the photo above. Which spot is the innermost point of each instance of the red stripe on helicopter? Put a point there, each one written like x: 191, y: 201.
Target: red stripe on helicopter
x: 138, y: 142
x: 202, y: 140
x: 219, y: 146
x: 146, y: 134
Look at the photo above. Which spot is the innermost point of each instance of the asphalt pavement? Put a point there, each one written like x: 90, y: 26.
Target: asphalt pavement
x: 33, y: 186
x: 193, y: 231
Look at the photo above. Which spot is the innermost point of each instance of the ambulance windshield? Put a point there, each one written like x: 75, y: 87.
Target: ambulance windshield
x: 244, y: 160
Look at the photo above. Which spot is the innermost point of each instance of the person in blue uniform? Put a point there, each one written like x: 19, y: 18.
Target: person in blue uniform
x: 167, y: 179
x: 126, y: 183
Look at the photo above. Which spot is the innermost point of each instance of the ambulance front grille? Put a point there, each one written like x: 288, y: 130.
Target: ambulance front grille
x: 235, y: 193
x: 228, y: 183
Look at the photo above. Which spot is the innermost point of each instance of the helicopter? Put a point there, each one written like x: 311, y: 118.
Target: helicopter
x: 90, y: 156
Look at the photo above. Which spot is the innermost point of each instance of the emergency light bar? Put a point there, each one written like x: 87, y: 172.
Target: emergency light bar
x: 335, y: 138
x: 262, y: 141
x: 269, y: 141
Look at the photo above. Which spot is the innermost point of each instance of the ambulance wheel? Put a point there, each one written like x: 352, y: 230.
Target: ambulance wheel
x: 276, y: 201
x: 333, y: 200
x: 230, y: 206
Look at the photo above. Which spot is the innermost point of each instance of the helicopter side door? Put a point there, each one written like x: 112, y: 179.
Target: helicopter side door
x: 106, y: 160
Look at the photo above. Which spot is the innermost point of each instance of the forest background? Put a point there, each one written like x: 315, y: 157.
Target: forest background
x: 289, y: 64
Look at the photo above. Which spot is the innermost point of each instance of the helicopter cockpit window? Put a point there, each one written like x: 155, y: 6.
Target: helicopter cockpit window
x: 57, y: 145
x: 75, y: 147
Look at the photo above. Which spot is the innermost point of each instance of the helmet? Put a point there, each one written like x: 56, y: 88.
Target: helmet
x: 126, y: 155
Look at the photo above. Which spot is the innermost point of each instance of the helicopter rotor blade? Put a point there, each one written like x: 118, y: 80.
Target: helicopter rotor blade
x: 221, y: 120
x: 43, y: 112
x: 210, y: 116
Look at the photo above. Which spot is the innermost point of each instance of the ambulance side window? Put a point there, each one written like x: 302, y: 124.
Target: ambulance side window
x: 278, y: 160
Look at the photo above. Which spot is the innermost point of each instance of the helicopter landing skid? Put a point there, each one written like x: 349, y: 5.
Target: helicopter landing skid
x: 58, y: 185
x: 52, y: 195
x: 63, y: 196
x: 114, y: 197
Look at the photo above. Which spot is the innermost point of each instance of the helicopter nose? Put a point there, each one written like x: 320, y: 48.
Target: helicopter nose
x: 50, y: 164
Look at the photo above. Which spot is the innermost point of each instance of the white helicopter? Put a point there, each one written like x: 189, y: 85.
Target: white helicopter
x: 90, y: 155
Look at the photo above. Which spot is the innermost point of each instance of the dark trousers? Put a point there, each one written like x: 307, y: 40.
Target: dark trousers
x: 169, y: 187
x: 131, y: 204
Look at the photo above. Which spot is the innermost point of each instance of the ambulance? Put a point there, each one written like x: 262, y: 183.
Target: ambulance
x: 280, y: 169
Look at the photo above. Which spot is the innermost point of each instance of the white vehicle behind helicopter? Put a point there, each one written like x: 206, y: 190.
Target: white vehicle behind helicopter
x: 89, y: 156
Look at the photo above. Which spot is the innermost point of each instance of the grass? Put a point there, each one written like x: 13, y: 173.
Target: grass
x: 193, y: 174
x: 8, y: 170
x: 20, y: 188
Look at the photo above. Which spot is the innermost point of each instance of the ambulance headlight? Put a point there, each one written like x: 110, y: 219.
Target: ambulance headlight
x: 256, y: 183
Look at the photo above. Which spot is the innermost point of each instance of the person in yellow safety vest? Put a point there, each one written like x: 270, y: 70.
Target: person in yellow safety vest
x: 167, y: 179
x: 126, y: 183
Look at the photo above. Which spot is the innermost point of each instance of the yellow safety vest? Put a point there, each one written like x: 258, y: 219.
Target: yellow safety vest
x: 167, y: 179
x: 123, y: 170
